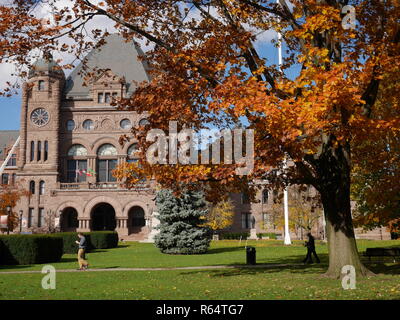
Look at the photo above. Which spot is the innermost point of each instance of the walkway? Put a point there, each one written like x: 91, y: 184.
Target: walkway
x: 257, y: 266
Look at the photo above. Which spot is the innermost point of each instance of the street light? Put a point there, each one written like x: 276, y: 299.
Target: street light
x: 8, y: 208
x: 20, y: 221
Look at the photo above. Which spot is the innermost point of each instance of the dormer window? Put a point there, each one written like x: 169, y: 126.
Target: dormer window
x: 108, y: 97
x: 41, y: 85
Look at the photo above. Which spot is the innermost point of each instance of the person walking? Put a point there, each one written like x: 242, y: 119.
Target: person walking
x: 310, y: 244
x: 83, y: 264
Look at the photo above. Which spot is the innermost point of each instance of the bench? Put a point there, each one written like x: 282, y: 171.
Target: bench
x: 382, y: 252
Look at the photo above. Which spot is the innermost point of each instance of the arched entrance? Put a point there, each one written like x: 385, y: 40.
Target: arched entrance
x: 69, y: 220
x: 136, y: 220
x: 103, y: 217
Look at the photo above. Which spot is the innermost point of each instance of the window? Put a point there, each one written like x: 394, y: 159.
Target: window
x: 107, y: 98
x: 12, y: 162
x: 246, y: 220
x: 143, y: 122
x: 265, y: 196
x: 133, y: 149
x: 41, y: 187
x: 4, y: 178
x: 107, y: 150
x: 41, y: 85
x: 77, y: 150
x: 70, y: 125
x: 75, y: 170
x: 125, y: 124
x: 32, y: 150
x: 105, y: 168
x: 88, y: 124
x: 40, y: 217
x: 114, y: 96
x: 46, y: 150
x: 30, y: 217
x: 39, y: 150
x: 245, y: 198
x: 32, y: 187
x: 100, y: 97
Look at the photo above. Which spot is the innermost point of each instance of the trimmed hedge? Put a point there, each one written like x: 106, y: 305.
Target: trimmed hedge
x: 271, y: 235
x: 94, y: 240
x: 30, y: 249
x: 235, y: 236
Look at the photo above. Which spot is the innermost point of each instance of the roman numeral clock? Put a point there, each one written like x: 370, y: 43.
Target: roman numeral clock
x: 40, y: 117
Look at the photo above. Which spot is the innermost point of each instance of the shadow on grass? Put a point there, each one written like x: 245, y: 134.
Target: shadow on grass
x: 228, y: 249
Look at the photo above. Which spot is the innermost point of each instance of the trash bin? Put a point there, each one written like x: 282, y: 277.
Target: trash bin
x: 250, y: 255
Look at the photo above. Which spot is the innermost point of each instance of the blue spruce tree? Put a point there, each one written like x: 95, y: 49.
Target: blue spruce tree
x: 180, y: 218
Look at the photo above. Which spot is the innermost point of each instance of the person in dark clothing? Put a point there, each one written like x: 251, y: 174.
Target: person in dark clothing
x: 310, y: 244
x: 83, y: 264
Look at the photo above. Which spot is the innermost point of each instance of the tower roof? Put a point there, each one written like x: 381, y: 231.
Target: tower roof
x: 45, y: 65
x: 116, y: 54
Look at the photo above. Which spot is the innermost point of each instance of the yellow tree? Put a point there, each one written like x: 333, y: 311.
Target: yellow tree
x: 220, y: 216
x: 207, y: 70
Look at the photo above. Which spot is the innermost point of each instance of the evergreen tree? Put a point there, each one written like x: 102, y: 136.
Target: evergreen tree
x: 180, y: 218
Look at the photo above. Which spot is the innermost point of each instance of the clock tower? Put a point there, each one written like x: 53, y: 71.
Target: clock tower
x: 40, y: 112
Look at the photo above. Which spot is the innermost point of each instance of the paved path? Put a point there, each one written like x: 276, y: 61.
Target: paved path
x: 258, y: 266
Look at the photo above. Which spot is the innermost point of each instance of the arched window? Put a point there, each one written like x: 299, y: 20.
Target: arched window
x: 77, y: 150
x: 32, y: 150
x: 77, y: 163
x: 107, y: 150
x: 39, y: 150
x: 41, y: 187
x: 106, y: 163
x: 265, y: 196
x: 32, y: 187
x: 133, y: 149
x: 46, y: 150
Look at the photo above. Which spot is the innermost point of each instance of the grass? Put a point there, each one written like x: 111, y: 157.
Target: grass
x: 288, y: 282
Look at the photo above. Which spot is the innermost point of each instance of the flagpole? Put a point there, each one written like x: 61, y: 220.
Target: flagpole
x: 287, y: 239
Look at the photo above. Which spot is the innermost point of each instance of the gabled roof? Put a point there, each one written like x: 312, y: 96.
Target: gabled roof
x: 117, y: 55
x: 7, y: 139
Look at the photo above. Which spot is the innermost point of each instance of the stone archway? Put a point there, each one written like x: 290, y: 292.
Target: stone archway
x: 69, y: 220
x: 103, y: 217
x: 136, y: 220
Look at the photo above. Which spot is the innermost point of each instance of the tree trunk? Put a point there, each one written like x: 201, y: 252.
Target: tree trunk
x: 333, y: 167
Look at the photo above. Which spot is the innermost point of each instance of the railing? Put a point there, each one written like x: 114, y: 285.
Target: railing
x: 100, y: 186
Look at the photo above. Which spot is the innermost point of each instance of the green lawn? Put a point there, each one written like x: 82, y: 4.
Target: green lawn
x: 289, y: 282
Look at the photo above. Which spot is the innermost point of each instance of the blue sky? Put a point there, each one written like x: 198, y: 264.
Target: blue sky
x: 10, y: 113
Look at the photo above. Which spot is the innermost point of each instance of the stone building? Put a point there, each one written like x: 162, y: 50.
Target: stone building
x: 69, y: 145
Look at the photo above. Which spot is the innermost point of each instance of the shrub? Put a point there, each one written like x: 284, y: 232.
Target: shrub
x: 30, y: 249
x: 271, y: 235
x: 235, y: 235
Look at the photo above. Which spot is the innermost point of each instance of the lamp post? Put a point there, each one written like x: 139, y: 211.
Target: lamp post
x: 8, y: 208
x: 20, y: 220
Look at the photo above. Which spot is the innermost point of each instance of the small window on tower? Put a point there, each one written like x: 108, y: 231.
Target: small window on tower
x: 100, y: 97
x: 41, y: 85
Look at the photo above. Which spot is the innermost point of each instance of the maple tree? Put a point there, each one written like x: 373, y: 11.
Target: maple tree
x: 9, y: 196
x: 207, y: 70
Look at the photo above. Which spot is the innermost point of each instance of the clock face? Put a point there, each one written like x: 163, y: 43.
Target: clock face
x: 40, y: 117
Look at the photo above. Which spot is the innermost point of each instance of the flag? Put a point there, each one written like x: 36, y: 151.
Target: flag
x: 92, y: 171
